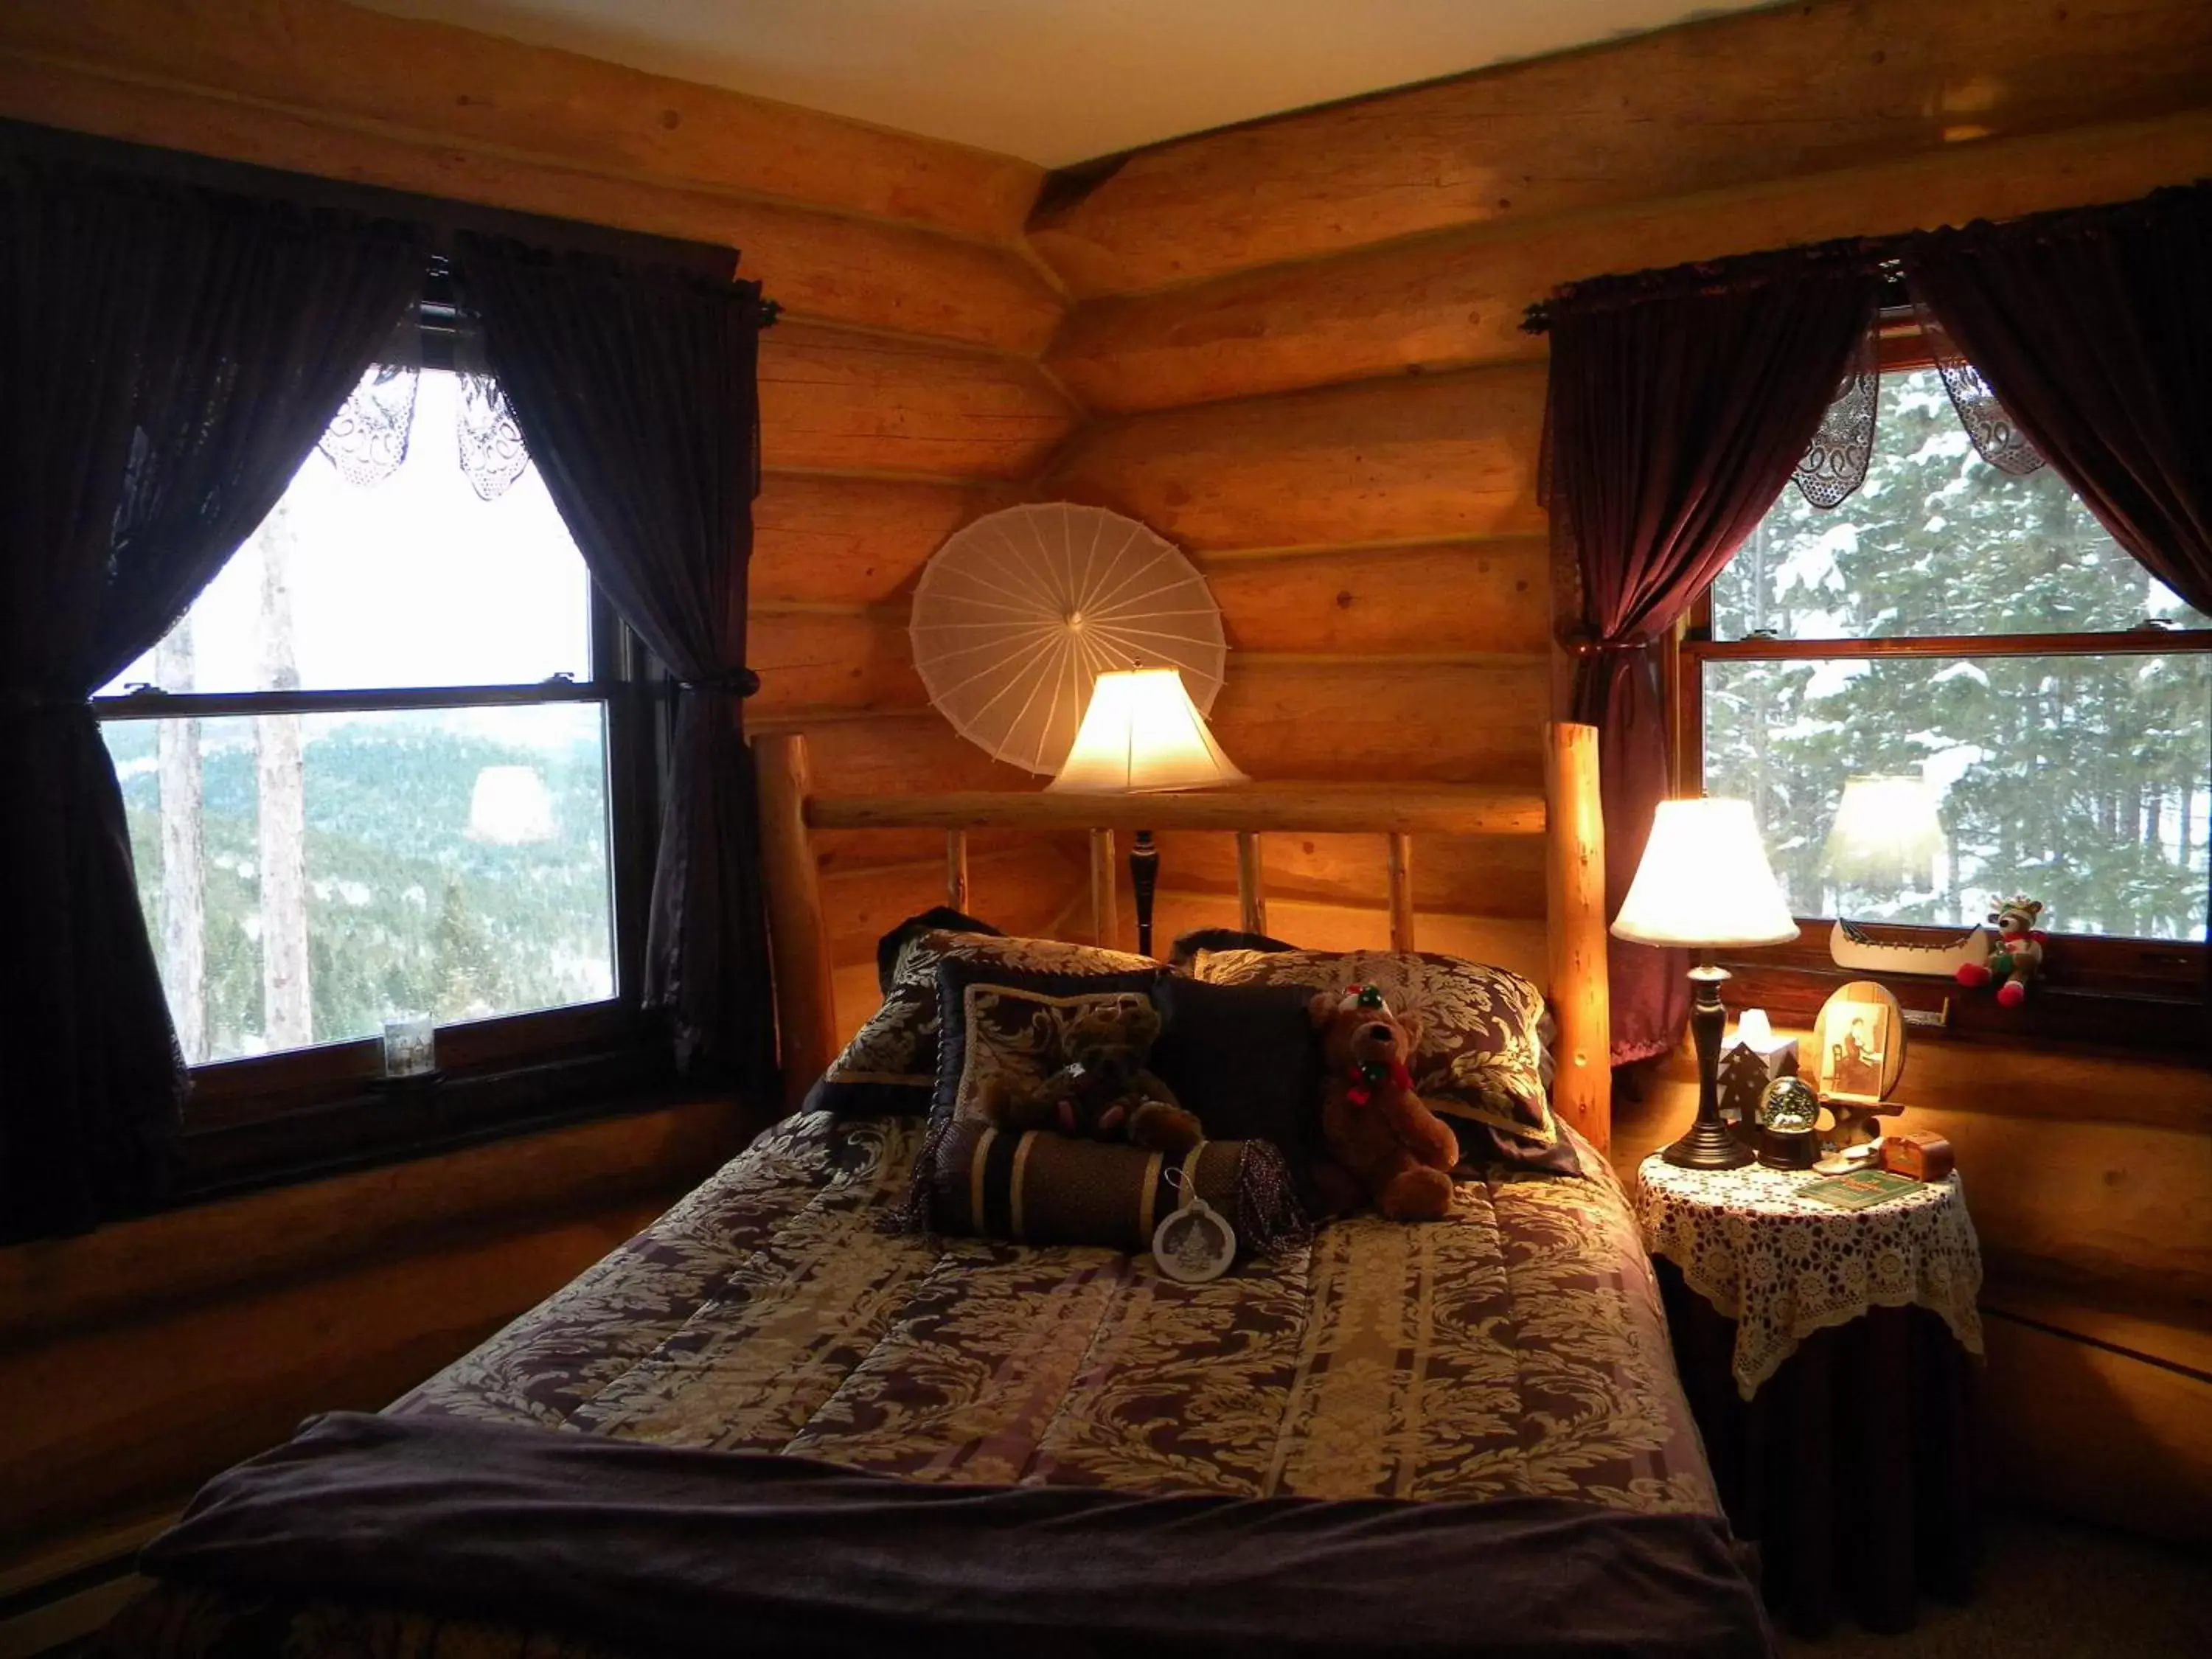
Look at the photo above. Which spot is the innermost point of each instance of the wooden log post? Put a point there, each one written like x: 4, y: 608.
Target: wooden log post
x: 1402, y: 891
x: 956, y: 869
x: 799, y: 939
x: 1251, y: 897
x: 1575, y: 867
x: 1105, y: 923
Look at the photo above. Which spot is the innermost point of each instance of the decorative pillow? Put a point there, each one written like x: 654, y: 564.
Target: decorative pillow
x: 1480, y: 1059
x: 1186, y: 948
x: 1247, y: 1060
x: 1047, y: 1188
x: 938, y: 919
x: 890, y: 1067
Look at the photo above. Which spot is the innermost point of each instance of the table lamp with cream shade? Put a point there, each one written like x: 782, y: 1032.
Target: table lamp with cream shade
x: 1142, y: 732
x: 1884, y: 840
x: 1704, y: 885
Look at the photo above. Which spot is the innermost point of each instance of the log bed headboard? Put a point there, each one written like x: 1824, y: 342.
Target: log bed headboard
x: 1566, y: 814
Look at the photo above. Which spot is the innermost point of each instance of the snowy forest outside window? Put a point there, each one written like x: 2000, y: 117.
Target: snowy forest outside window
x: 366, y: 773
x: 1981, y: 630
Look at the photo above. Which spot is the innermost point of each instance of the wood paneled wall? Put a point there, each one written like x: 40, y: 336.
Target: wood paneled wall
x: 138, y: 1360
x: 1299, y: 343
x: 1292, y: 346
x: 1300, y: 339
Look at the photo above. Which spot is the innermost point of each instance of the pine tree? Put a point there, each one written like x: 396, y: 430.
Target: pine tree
x: 288, y: 1008
x: 184, y: 851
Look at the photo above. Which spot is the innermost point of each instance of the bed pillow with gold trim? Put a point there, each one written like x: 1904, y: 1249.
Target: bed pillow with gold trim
x: 890, y: 1067
x: 1479, y: 1059
x: 1044, y: 1188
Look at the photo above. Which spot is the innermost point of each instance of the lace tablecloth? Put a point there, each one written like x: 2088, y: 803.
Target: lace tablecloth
x: 1782, y: 1266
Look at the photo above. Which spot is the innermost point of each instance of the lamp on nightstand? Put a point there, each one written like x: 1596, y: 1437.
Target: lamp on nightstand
x: 1704, y: 884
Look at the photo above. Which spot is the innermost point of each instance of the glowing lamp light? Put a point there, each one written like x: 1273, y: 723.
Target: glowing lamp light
x: 1705, y: 882
x: 1142, y: 732
x: 1886, y: 833
x: 510, y: 807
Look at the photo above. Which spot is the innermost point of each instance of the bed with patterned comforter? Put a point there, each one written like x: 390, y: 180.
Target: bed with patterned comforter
x: 1517, y: 1350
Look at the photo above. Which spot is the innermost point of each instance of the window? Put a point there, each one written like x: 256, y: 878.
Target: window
x: 372, y: 770
x: 1979, y: 631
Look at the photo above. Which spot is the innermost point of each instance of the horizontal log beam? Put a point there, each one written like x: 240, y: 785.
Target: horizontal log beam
x: 1430, y: 809
x: 836, y: 399
x: 1431, y: 597
x: 1456, y: 299
x: 344, y: 64
x: 809, y: 659
x: 854, y: 541
x: 1790, y: 92
x: 828, y: 265
x: 1443, y: 456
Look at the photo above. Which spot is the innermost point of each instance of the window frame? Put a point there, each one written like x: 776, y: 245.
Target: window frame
x: 2097, y: 989
x: 257, y: 1120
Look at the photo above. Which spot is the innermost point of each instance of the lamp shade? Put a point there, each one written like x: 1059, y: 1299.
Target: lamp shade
x: 1886, y: 833
x: 1704, y: 881
x: 1142, y: 731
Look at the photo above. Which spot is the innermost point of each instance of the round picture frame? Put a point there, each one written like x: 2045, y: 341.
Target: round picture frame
x: 1858, y: 1044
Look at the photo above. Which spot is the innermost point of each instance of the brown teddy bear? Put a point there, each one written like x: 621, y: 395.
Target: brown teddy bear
x: 1103, y: 1092
x: 1382, y: 1142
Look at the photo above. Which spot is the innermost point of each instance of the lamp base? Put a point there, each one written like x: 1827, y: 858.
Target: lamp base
x: 1708, y: 1146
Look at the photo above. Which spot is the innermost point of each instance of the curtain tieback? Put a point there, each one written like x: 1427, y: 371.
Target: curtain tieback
x: 1587, y: 644
x: 736, y: 683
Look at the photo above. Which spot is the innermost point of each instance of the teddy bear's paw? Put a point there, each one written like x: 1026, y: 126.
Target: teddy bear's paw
x: 1159, y: 1127
x: 1421, y: 1195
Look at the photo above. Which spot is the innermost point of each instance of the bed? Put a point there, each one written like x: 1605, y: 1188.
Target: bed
x: 773, y: 1423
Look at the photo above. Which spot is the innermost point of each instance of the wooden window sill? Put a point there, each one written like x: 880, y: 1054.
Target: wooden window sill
x: 2124, y: 998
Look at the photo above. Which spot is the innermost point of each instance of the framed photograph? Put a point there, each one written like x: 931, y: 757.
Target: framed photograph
x: 1858, y: 1046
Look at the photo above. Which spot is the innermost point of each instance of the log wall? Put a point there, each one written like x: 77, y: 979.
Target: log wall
x: 1299, y: 343
x: 1293, y: 348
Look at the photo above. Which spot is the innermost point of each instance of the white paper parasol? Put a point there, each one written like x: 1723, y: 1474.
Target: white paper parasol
x: 1018, y: 612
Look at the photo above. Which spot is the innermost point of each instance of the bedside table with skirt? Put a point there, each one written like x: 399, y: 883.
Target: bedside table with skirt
x: 1828, y: 1355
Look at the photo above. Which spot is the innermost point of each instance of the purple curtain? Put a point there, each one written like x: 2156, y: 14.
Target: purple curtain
x: 168, y: 357
x: 1680, y: 404
x: 2094, y: 330
x: 636, y: 393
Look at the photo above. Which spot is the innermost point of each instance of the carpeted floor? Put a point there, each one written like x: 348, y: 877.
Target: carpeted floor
x: 2052, y: 1588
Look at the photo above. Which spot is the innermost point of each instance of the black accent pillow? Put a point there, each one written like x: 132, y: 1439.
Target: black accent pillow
x: 1247, y: 1060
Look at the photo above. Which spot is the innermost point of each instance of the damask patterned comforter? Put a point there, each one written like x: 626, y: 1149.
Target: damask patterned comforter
x: 1517, y: 1349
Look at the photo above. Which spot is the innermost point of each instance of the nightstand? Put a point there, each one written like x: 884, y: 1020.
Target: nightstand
x: 1828, y: 1356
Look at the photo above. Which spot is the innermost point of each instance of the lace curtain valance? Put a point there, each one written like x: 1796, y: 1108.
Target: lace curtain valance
x: 368, y: 441
x: 1835, y: 463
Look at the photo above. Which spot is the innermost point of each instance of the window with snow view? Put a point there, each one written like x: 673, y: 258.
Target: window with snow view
x: 1980, y: 632
x: 366, y: 773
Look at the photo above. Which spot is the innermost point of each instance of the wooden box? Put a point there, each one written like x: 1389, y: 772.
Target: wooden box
x: 1917, y: 1152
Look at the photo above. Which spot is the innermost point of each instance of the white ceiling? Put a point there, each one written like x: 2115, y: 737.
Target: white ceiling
x: 1059, y: 81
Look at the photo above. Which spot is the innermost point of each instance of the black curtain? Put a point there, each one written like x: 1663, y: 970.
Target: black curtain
x: 168, y: 356
x: 1681, y: 404
x: 2094, y: 330
x: 636, y: 392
